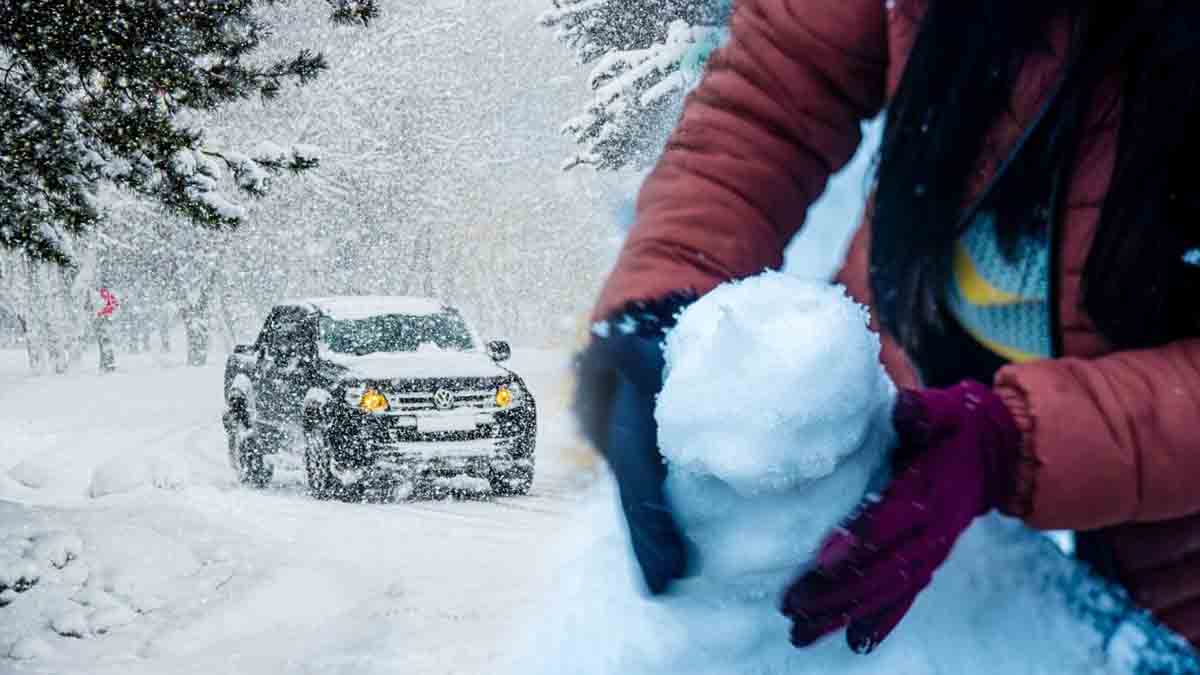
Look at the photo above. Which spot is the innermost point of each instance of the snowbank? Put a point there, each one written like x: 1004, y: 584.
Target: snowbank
x: 120, y: 474
x: 773, y: 420
x: 127, y: 549
x: 53, y: 586
x: 32, y: 474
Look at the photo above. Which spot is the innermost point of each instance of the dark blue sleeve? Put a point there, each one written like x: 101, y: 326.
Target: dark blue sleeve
x: 619, y: 378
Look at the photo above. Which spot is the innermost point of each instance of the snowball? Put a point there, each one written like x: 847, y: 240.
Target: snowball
x: 771, y: 382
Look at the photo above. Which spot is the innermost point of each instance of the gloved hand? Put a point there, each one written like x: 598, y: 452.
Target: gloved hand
x: 618, y: 377
x: 956, y: 460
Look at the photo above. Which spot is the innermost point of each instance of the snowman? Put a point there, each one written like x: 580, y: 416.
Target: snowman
x: 774, y: 422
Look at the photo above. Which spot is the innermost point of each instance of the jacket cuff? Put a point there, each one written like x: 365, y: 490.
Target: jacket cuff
x: 1025, y: 470
x: 645, y: 318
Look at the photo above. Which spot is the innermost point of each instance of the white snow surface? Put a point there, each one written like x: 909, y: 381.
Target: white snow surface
x: 427, y: 364
x: 774, y: 421
x: 127, y: 548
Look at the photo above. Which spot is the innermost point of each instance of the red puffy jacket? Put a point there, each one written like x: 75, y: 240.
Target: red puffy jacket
x: 1111, y: 439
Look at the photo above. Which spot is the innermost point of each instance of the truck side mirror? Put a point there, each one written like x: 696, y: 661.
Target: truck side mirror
x: 499, y: 350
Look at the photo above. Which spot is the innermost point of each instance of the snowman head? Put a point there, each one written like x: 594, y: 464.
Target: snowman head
x: 772, y: 418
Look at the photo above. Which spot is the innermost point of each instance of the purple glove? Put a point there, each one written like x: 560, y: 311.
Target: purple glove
x: 956, y: 460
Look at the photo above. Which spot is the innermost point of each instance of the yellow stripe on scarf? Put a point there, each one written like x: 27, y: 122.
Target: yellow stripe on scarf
x: 974, y: 288
x: 1012, y: 354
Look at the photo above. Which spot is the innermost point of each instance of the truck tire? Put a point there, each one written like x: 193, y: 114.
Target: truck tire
x: 247, y: 449
x: 518, y: 480
x: 237, y: 427
x: 255, y: 470
x: 322, y: 484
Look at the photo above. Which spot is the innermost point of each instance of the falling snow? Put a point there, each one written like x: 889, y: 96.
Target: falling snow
x: 426, y: 161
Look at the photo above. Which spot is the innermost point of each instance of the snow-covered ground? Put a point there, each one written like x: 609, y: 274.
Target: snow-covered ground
x: 116, y: 498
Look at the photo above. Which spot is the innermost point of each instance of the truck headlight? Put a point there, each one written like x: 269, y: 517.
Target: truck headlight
x: 373, y: 401
x: 509, y: 395
x: 504, y: 397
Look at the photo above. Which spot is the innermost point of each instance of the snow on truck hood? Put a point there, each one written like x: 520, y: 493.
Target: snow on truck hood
x: 357, y: 307
x: 413, y: 365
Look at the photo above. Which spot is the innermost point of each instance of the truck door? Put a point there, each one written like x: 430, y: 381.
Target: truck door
x: 285, y: 352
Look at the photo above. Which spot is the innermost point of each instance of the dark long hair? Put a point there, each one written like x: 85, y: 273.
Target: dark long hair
x: 1138, y: 289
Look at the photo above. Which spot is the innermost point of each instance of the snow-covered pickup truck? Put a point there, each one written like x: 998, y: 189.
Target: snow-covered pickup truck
x: 391, y: 393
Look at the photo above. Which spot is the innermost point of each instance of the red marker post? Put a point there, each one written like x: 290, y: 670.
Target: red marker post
x: 108, y: 360
x: 110, y: 303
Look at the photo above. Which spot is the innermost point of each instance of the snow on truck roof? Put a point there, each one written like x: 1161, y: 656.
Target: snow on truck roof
x: 352, y: 307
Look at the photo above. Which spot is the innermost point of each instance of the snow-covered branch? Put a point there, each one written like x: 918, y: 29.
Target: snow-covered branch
x: 646, y: 55
x: 96, y: 98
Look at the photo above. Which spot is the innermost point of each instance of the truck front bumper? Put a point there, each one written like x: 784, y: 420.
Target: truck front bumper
x: 376, y: 449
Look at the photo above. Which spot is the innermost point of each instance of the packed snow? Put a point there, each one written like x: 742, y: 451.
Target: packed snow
x: 432, y: 363
x: 774, y: 422
x: 366, y: 306
x: 126, y: 546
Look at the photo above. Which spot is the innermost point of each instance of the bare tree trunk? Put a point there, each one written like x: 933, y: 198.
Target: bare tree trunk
x: 32, y: 349
x: 31, y: 324
x: 195, y: 313
x: 108, y: 357
x: 47, y: 323
x: 229, y: 334
x: 70, y: 317
x: 420, y: 280
x: 133, y: 343
x: 164, y: 329
x: 195, y: 322
x: 55, y: 354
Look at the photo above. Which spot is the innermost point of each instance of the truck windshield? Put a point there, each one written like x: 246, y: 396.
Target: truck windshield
x: 396, y: 333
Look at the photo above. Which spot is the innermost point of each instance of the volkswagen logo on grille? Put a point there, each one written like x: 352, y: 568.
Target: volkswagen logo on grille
x: 443, y: 399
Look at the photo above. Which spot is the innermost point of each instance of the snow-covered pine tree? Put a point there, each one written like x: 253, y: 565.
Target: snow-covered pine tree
x: 645, y: 54
x: 97, y: 95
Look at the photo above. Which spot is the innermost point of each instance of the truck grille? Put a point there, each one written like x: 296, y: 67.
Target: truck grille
x: 475, y: 400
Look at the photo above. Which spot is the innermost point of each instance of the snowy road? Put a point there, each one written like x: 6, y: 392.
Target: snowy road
x: 115, y: 494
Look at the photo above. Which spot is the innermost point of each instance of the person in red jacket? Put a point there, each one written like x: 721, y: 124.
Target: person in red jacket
x: 1030, y: 255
